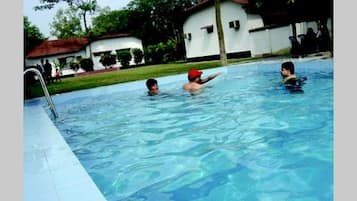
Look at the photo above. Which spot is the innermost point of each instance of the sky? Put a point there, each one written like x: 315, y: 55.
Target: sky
x: 42, y: 19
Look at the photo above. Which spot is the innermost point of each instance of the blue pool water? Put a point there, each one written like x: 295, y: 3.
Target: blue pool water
x: 244, y: 137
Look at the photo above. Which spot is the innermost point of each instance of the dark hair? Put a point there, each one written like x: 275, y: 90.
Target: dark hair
x: 192, y: 78
x: 288, y: 66
x: 150, y: 82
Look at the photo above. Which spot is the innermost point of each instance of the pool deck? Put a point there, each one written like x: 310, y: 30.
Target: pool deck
x: 51, y: 170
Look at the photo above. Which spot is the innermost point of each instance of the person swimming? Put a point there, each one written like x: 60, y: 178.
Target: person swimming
x: 152, y: 86
x: 196, y: 83
x: 290, y: 80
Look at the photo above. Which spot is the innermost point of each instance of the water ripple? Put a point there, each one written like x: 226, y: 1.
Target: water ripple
x: 243, y: 138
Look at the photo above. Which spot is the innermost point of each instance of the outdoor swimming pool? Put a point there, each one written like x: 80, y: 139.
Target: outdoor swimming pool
x: 244, y: 137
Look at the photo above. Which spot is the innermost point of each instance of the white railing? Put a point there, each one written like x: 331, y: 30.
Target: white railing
x: 45, y: 91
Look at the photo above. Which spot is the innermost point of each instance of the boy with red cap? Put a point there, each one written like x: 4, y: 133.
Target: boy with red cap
x: 195, y: 81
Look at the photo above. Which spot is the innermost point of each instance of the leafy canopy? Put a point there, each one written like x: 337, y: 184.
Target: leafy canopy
x: 32, y: 36
x: 66, y: 23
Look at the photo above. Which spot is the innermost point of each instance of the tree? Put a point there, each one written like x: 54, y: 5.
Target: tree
x: 222, y: 47
x: 159, y: 20
x: 111, y: 21
x: 292, y: 11
x: 32, y: 36
x: 66, y: 23
x: 318, y: 10
x: 85, y: 7
x: 153, y: 21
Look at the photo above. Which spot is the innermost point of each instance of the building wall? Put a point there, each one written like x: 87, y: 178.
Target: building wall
x: 206, y: 44
x: 279, y: 38
x: 260, y: 43
x: 271, y: 40
x: 235, y: 40
x: 264, y: 41
x: 303, y: 26
x: 54, y: 59
x: 201, y: 43
x: 254, y: 21
x: 111, y: 45
x: 267, y: 41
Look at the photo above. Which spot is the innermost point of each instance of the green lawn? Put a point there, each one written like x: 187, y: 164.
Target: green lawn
x: 124, y: 75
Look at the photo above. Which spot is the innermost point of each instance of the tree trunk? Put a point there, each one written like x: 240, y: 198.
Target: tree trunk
x: 89, y: 35
x: 85, y: 22
x: 222, y: 47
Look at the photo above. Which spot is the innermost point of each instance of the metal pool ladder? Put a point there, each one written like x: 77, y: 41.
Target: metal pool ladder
x: 45, y: 91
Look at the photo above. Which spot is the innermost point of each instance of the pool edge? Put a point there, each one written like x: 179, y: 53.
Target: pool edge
x: 51, y: 170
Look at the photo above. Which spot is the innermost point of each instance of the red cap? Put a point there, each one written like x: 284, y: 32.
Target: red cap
x: 193, y: 73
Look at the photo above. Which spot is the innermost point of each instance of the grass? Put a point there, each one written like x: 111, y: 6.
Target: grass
x: 124, y: 75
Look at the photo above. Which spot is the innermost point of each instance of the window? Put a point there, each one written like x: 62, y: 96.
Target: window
x: 234, y: 24
x: 209, y: 28
x: 119, y: 50
x: 98, y: 54
x: 62, y: 60
x: 231, y: 24
x: 188, y: 36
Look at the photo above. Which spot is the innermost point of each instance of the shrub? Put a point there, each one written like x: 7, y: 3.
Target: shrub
x: 138, y: 55
x: 87, y: 64
x: 74, y: 65
x: 149, y: 54
x: 124, y: 57
x: 108, y: 60
x: 154, y: 53
x: 167, y: 58
x: 170, y: 50
x: 161, y: 52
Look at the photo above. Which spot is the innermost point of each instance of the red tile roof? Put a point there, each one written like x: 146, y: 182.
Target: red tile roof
x: 63, y: 46
x: 54, y: 47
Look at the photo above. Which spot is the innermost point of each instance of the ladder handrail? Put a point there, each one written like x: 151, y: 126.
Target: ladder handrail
x: 44, y: 88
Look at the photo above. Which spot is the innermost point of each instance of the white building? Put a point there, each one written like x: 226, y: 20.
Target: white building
x: 201, y: 39
x: 245, y: 34
x: 65, y: 51
x: 111, y: 44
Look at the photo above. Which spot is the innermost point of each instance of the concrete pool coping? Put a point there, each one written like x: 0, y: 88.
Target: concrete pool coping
x: 51, y: 170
